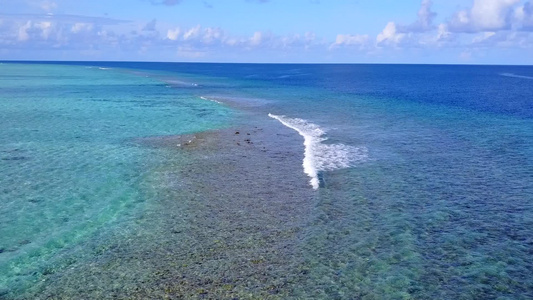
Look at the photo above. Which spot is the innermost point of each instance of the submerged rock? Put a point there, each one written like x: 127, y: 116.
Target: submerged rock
x: 16, y: 158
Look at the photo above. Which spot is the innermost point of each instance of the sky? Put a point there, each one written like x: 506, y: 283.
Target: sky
x: 269, y: 31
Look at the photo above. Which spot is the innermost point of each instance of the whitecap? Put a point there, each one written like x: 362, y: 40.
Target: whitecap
x: 318, y: 156
x: 236, y: 100
x: 516, y: 76
x: 292, y: 75
x: 212, y: 100
x: 180, y: 83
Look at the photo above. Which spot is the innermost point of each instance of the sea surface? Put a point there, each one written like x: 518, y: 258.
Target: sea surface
x: 265, y: 181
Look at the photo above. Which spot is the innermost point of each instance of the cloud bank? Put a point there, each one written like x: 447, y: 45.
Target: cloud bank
x: 484, y: 24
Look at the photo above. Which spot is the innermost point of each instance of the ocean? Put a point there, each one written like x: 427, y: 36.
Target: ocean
x: 265, y: 181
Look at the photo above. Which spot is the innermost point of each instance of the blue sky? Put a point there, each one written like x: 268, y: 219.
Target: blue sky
x: 315, y: 31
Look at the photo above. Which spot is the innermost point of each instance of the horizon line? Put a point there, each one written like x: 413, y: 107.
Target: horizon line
x: 261, y: 63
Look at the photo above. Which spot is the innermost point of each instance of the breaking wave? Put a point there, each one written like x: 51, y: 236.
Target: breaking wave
x: 516, y: 76
x: 319, y: 156
x: 212, y: 100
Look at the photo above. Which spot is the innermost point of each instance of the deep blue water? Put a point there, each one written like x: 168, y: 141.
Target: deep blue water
x: 498, y: 89
x: 422, y: 175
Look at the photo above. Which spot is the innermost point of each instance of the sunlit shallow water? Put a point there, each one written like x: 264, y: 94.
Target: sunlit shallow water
x: 435, y: 203
x: 69, y: 168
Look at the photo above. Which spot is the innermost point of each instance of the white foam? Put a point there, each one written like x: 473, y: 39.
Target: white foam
x: 181, y: 83
x: 239, y: 101
x: 212, y: 100
x: 102, y: 68
x: 516, y: 76
x: 319, y: 156
x: 292, y: 75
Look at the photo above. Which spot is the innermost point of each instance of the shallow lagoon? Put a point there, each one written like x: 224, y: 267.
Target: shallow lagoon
x: 111, y: 206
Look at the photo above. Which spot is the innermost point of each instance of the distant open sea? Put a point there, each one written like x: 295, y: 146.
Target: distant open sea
x: 265, y: 181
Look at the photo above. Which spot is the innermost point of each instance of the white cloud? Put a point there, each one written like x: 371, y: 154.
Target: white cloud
x: 310, y: 36
x: 305, y: 41
x: 256, y: 39
x: 393, y: 34
x: 424, y: 21
x: 483, y: 37
x: 503, y: 39
x: 524, y: 16
x: 23, y: 32
x: 80, y: 27
x: 34, y: 30
x: 197, y: 36
x: 484, y: 15
x: 150, y: 26
x: 173, y: 34
x: 350, y: 40
x: 45, y: 28
x: 48, y: 5
x: 232, y: 41
x: 425, y: 15
x: 212, y: 35
x: 192, y: 33
x: 442, y: 32
x: 51, y: 31
x: 496, y: 23
x: 267, y: 40
x: 82, y: 33
x: 390, y: 35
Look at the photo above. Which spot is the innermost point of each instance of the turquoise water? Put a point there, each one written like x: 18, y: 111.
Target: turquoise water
x: 440, y: 205
x: 69, y: 165
x: 334, y: 181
